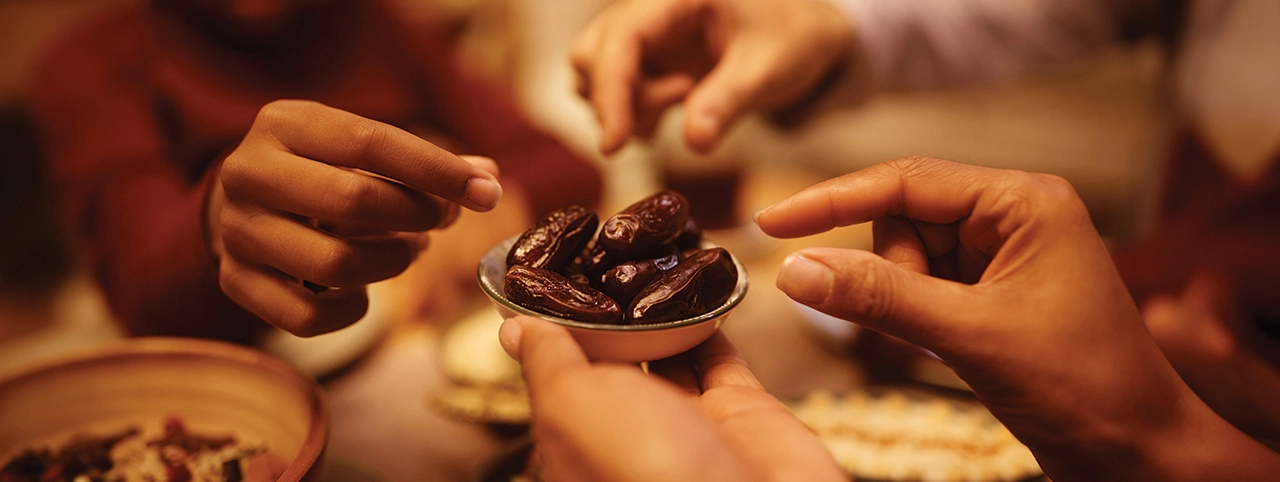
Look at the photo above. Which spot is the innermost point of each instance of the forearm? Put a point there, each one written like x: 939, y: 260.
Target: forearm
x: 1168, y: 436
x: 1209, y: 449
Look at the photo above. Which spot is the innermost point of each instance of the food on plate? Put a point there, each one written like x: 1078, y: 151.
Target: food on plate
x: 644, y: 227
x: 644, y: 267
x: 901, y: 437
x: 551, y: 293
x: 556, y: 240
x: 697, y: 285
x: 624, y: 281
x: 171, y: 454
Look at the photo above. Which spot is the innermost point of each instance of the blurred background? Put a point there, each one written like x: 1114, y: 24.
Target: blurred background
x: 1098, y: 123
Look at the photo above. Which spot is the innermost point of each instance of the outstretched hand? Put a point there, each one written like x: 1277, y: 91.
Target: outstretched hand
x: 1002, y: 274
x: 316, y: 203
x: 700, y: 416
x: 722, y: 57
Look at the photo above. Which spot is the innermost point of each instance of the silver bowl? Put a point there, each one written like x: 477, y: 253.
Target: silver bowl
x: 608, y: 342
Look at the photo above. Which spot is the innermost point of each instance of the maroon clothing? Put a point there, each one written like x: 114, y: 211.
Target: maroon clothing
x: 137, y: 107
x: 1208, y: 221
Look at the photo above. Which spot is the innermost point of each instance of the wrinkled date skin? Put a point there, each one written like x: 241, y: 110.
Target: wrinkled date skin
x: 626, y: 280
x: 643, y: 227
x: 554, y: 242
x: 551, y: 293
x: 697, y: 285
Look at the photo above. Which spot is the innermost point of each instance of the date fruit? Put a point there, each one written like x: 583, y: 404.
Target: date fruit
x: 642, y: 228
x: 551, y: 293
x: 624, y: 281
x: 645, y: 266
x: 554, y: 242
x: 697, y: 285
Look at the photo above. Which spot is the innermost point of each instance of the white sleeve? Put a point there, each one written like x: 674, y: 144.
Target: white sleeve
x: 917, y: 44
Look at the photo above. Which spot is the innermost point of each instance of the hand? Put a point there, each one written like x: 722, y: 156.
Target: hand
x: 707, y: 420
x: 639, y: 57
x: 317, y: 195
x: 1002, y: 274
x: 1194, y: 329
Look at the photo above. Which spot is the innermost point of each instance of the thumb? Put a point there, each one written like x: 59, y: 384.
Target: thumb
x: 732, y: 87
x: 864, y: 288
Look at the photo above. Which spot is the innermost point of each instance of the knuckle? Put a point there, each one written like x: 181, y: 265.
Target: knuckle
x: 237, y: 178
x: 366, y: 137
x: 349, y: 195
x: 332, y: 264
x: 278, y: 112
x: 304, y: 321
x: 913, y: 166
x: 1058, y: 192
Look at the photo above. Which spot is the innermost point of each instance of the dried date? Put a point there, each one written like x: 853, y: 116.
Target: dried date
x: 554, y: 242
x: 624, y: 281
x: 549, y: 292
x: 642, y: 228
x: 697, y: 285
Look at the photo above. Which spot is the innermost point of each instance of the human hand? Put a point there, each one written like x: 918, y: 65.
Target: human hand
x: 705, y: 418
x: 1197, y: 331
x: 1002, y: 274
x: 320, y: 195
x: 723, y: 57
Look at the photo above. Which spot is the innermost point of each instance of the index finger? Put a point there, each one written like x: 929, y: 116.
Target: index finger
x: 930, y: 190
x: 329, y: 135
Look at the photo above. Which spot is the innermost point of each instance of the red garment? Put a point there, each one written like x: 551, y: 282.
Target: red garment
x: 1210, y: 222
x: 137, y: 107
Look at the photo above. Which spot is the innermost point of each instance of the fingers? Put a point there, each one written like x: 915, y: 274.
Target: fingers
x: 864, y: 288
x: 306, y: 253
x: 611, y: 83
x: 655, y: 96
x: 482, y: 162
x: 1194, y: 324
x: 930, y: 190
x: 608, y: 59
x: 733, y: 87
x: 680, y: 371
x: 285, y: 303
x: 544, y: 349
x: 895, y: 239
x: 332, y: 136
x: 720, y: 364
x: 292, y: 184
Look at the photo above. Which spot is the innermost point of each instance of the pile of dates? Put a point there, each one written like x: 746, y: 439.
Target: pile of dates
x: 646, y: 265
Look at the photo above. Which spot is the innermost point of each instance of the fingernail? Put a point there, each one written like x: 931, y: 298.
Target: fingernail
x: 484, y: 192
x: 805, y: 280
x: 706, y: 122
x: 756, y: 217
x: 509, y: 337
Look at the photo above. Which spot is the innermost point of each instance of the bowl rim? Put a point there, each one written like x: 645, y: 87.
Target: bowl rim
x: 496, y: 294
x: 312, y: 447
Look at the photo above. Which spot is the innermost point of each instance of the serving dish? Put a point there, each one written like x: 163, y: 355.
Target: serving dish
x: 212, y: 388
x: 615, y: 343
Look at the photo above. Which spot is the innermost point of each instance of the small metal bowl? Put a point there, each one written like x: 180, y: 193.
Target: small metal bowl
x: 615, y: 343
